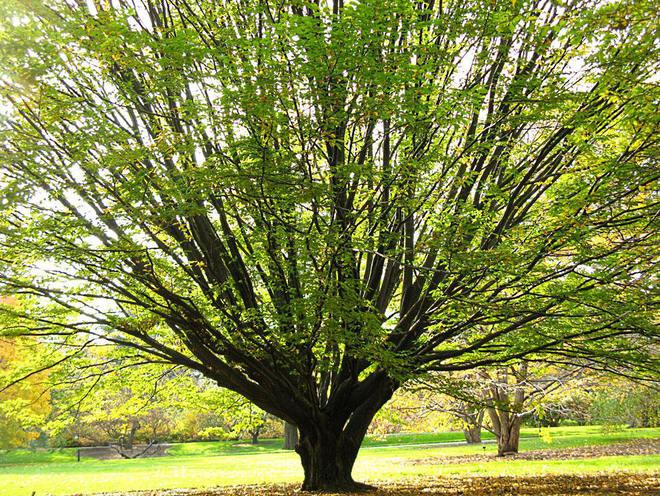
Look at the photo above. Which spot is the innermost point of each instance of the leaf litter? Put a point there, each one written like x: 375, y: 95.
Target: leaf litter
x: 602, y: 484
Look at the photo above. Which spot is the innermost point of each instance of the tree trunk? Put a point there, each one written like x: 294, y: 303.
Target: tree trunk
x: 472, y: 422
x: 128, y: 441
x: 509, y: 437
x: 329, y: 441
x: 507, y: 401
x: 328, y: 457
x: 290, y: 436
x: 255, y: 437
x: 472, y: 434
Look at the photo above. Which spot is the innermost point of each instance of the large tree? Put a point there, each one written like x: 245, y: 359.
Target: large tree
x: 311, y: 202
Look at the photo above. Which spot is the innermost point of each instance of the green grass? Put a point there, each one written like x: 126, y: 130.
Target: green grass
x: 221, y: 448
x: 577, y: 436
x: 223, y: 463
x: 23, y: 456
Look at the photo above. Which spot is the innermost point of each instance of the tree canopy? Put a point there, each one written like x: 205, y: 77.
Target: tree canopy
x: 312, y: 202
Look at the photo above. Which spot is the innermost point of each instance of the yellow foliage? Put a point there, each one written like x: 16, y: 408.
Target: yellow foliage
x: 23, y: 405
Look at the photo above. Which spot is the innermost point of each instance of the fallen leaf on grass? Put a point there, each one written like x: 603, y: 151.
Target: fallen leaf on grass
x: 637, y: 447
x: 621, y: 483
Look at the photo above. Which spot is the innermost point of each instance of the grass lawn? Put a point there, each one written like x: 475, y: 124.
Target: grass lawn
x: 212, y: 464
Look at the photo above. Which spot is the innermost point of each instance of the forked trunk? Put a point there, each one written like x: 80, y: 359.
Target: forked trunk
x: 505, y: 412
x: 329, y: 443
x: 509, y: 437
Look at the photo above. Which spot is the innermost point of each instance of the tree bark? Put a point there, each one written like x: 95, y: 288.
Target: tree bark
x: 290, y: 436
x: 327, y: 457
x: 128, y: 441
x: 506, y: 427
x: 505, y: 412
x: 472, y: 434
x: 329, y: 443
x: 472, y: 422
x: 509, y: 438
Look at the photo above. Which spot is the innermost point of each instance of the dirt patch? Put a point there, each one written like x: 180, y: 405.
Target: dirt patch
x: 637, y: 447
x: 110, y: 453
x: 627, y: 484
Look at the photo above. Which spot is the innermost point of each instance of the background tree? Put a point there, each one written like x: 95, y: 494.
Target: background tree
x: 516, y: 391
x: 461, y: 396
x: 24, y: 407
x: 103, y: 398
x: 241, y: 418
x: 411, y: 410
x: 620, y: 402
x: 312, y: 202
x: 468, y: 414
x: 290, y: 436
x: 471, y: 418
x: 99, y: 401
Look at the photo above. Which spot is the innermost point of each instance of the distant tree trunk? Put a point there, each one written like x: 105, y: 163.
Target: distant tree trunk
x: 254, y: 434
x: 472, y: 434
x: 472, y: 422
x: 505, y: 412
x: 129, y: 440
x: 507, y: 433
x: 290, y: 436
